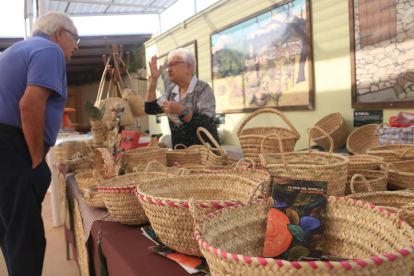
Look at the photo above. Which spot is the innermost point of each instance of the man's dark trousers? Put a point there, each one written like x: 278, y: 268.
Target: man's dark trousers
x: 22, y: 190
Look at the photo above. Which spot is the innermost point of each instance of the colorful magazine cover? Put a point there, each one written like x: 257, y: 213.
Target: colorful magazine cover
x: 296, y: 222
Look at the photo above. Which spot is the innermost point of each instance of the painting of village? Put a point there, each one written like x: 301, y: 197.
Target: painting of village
x: 264, y: 61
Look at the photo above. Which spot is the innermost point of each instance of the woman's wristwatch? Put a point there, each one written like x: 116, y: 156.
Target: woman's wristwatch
x: 185, y: 112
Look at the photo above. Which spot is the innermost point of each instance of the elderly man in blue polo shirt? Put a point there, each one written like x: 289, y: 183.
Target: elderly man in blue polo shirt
x: 32, y: 99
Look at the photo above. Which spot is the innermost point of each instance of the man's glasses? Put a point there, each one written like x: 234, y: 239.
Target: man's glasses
x: 77, y: 38
x: 171, y: 65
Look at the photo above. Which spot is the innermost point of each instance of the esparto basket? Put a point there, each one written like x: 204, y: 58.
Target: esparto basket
x: 79, y: 163
x: 251, y: 138
x: 333, y: 124
x: 92, y: 197
x: 400, y: 174
x: 63, y: 198
x: 184, y: 156
x: 59, y: 153
x: 232, y: 239
x: 377, y: 180
x: 165, y: 202
x: 143, y: 155
x: 81, y: 249
x: 105, y: 160
x: 393, y: 153
x: 364, y: 162
x: 309, y: 165
x: 362, y: 139
x: 155, y: 166
x: 85, y: 178
x: 69, y: 148
x: 120, y: 199
x: 211, y: 156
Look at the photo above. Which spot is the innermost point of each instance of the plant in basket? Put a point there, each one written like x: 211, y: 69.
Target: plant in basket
x: 94, y: 113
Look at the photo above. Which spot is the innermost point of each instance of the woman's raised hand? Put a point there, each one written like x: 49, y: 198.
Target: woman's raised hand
x: 154, y: 69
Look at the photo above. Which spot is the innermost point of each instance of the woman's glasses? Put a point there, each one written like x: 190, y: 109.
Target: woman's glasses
x: 172, y: 65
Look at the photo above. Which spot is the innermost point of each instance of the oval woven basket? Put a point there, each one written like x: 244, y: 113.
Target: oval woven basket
x: 377, y: 180
x: 92, y: 197
x: 333, y: 124
x: 400, y: 174
x: 119, y: 196
x: 352, y: 230
x: 309, y: 165
x: 142, y: 156
x: 166, y: 204
x: 362, y: 139
x: 364, y: 162
x: 85, y: 178
x: 393, y: 153
x: 251, y: 138
x: 211, y: 156
x: 184, y: 156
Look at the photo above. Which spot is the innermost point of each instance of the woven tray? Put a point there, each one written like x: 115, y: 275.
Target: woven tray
x: 362, y: 139
x: 364, y: 162
x: 392, y: 153
x: 400, y: 174
x: 377, y: 180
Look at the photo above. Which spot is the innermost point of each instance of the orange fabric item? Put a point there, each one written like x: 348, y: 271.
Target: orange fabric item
x: 65, y: 120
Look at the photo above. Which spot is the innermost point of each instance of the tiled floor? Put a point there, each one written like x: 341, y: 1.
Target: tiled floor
x: 55, y: 258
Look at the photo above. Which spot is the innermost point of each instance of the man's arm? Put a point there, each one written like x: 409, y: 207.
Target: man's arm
x: 32, y: 111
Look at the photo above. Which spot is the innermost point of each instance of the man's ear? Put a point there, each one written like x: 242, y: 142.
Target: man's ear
x: 191, y: 67
x: 60, y: 32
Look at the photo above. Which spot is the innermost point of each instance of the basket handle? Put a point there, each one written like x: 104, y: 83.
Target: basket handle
x: 183, y: 172
x: 221, y: 163
x: 324, y: 133
x: 246, y: 159
x: 405, y: 152
x: 197, y: 213
x: 376, y: 132
x: 153, y: 162
x: 363, y: 179
x: 268, y: 110
x: 265, y: 161
x: 407, y: 207
x: 182, y: 145
x: 392, y: 139
x: 201, y: 129
x: 98, y: 177
x: 253, y: 193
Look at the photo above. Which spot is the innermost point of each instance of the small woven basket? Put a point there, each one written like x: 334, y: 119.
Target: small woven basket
x: 211, y: 156
x: 92, y: 197
x: 333, y: 124
x: 393, y: 153
x: 362, y: 139
x: 143, y: 155
x: 400, y: 174
x: 364, y: 162
x: 85, y: 178
x: 166, y: 204
x: 377, y: 180
x: 184, y: 156
x: 70, y: 148
x: 309, y: 165
x: 119, y: 196
x: 251, y: 138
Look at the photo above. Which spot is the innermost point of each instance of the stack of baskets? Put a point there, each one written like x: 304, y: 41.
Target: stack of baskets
x: 362, y: 139
x: 333, y: 124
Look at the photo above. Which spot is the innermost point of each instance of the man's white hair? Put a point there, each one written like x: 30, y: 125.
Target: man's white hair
x: 51, y: 21
x: 186, y: 55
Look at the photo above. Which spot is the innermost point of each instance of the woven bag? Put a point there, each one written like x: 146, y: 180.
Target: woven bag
x: 333, y: 124
x: 364, y: 162
x: 400, y: 174
x: 184, y: 156
x: 251, y: 138
x: 392, y: 153
x: 377, y: 180
x: 85, y: 178
x: 142, y: 156
x: 211, y: 156
x: 92, y: 197
x: 119, y: 196
x: 362, y: 139
x: 309, y: 165
x: 166, y: 204
x: 231, y: 239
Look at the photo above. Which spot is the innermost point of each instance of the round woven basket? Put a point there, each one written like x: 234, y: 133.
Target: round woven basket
x: 211, y: 156
x: 400, y: 174
x: 392, y: 153
x: 92, y: 197
x: 377, y: 180
x: 59, y: 153
x: 184, y: 156
x: 119, y: 196
x: 251, y: 138
x: 69, y: 148
x: 377, y: 241
x: 362, y: 139
x: 81, y: 249
x: 333, y: 124
x: 166, y: 204
x: 85, y: 178
x: 309, y: 165
x: 142, y: 156
x: 364, y: 162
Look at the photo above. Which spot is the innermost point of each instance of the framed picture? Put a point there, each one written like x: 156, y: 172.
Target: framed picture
x: 163, y: 80
x: 264, y: 60
x: 382, y: 53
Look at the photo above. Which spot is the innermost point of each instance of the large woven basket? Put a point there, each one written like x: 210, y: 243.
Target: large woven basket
x: 333, y: 124
x: 85, y: 178
x: 231, y: 239
x: 251, y: 138
x: 400, y: 174
x: 393, y: 153
x: 166, y: 204
x: 211, y: 156
x: 92, y: 197
x: 362, y: 139
x: 309, y: 165
x: 184, y: 156
x: 377, y: 180
x: 364, y: 162
x: 142, y: 156
x: 81, y: 249
x: 120, y: 199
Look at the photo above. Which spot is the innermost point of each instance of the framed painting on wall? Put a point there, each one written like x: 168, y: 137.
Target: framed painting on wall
x: 163, y: 80
x: 382, y: 53
x: 264, y: 60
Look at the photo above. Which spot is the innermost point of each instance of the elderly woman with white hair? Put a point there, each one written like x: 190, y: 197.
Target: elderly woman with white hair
x: 190, y: 98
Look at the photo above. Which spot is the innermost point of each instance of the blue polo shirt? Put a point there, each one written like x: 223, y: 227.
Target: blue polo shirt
x: 35, y: 61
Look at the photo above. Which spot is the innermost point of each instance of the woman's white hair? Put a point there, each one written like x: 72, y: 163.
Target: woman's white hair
x: 51, y: 21
x: 186, y: 55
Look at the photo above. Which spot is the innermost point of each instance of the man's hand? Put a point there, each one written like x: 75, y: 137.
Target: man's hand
x: 172, y: 107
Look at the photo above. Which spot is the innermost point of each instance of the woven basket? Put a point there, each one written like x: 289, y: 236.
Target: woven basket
x: 166, y: 204
x: 362, y: 139
x: 309, y: 165
x: 81, y: 163
x: 364, y: 162
x: 333, y: 124
x: 142, y: 156
x: 59, y: 153
x: 400, y: 175
x: 92, y: 197
x: 377, y: 180
x: 232, y: 242
x: 184, y: 156
x: 81, y: 249
x: 85, y: 179
x: 211, y: 156
x: 393, y: 153
x: 63, y: 200
x: 120, y: 199
x: 70, y: 148
x: 251, y: 138
x: 105, y: 160
x: 155, y: 166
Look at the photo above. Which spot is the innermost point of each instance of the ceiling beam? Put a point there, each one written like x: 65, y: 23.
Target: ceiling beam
x: 112, y: 4
x: 110, y: 13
